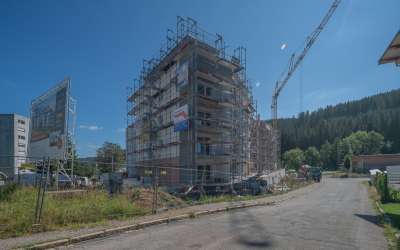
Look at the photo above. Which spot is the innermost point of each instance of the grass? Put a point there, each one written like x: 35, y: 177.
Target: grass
x: 389, y: 230
x: 393, y: 211
x: 92, y: 208
x: 17, y: 213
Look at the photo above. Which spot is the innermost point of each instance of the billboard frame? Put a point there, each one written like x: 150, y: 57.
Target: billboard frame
x: 68, y: 134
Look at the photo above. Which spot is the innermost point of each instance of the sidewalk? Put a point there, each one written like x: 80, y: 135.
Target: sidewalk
x: 22, y: 241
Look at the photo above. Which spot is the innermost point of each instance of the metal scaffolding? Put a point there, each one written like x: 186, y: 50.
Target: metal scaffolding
x: 190, y: 112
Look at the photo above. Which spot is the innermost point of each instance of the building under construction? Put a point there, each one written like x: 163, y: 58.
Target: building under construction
x: 190, y: 112
x: 261, y: 146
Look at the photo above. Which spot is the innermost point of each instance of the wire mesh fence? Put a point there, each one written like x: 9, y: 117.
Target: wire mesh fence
x: 51, y: 193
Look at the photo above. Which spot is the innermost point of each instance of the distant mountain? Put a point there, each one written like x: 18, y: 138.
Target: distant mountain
x: 380, y: 113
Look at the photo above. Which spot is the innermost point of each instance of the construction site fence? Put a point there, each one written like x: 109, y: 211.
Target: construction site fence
x: 96, y: 174
x: 153, y: 190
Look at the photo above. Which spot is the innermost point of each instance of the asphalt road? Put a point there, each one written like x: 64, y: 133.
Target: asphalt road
x: 336, y: 214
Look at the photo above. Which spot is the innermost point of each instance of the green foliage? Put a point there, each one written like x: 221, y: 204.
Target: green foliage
x: 328, y: 156
x: 342, y: 150
x: 382, y: 187
x: 380, y: 113
x: 17, y: 213
x: 394, y: 195
x: 293, y: 158
x: 312, y: 157
x: 7, y: 190
x: 108, y: 153
x: 347, y: 161
x: 87, y: 169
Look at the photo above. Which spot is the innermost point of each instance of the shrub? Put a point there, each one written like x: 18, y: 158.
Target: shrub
x: 382, y: 187
x: 7, y: 190
x: 394, y: 195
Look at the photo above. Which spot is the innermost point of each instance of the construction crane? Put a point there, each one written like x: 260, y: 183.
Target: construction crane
x: 285, y: 76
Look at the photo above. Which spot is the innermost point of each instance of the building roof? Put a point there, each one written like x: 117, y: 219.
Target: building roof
x: 377, y: 156
x: 392, y: 52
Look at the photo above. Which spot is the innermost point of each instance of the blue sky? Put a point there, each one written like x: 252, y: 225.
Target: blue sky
x: 101, y: 44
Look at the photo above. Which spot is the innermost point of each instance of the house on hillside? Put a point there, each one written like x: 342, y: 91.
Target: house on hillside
x: 392, y: 52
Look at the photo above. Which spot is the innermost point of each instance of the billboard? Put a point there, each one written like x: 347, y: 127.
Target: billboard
x: 180, y: 117
x: 49, y: 119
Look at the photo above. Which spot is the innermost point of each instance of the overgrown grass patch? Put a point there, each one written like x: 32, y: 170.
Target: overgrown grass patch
x: 389, y: 230
x: 393, y: 211
x: 17, y: 213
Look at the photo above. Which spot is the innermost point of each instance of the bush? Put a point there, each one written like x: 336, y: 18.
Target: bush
x: 394, y: 195
x: 7, y: 190
x: 382, y: 187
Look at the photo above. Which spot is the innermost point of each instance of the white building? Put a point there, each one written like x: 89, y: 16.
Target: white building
x: 393, y: 174
x: 14, y: 131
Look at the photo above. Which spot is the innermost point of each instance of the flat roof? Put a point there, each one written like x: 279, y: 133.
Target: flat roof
x: 392, y: 52
x: 376, y: 156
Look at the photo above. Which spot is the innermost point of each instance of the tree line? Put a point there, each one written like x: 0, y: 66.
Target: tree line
x: 339, y: 152
x: 109, y: 158
x: 379, y: 113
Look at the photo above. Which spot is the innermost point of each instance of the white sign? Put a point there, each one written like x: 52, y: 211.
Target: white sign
x: 182, y: 74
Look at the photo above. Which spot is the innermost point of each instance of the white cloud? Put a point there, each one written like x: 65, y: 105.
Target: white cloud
x: 258, y: 83
x: 91, y: 127
x: 283, y: 46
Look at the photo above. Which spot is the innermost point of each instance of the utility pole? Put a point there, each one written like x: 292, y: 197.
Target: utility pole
x: 112, y: 162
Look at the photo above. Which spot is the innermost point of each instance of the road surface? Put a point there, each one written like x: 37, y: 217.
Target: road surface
x: 336, y: 214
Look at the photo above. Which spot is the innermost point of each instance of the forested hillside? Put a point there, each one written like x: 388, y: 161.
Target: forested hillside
x: 380, y: 113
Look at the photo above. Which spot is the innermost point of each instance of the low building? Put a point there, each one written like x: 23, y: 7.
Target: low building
x: 14, y: 131
x: 364, y: 163
x: 393, y: 174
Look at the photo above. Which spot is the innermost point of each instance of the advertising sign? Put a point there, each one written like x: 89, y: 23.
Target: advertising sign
x: 182, y: 74
x: 180, y: 117
x: 49, y: 114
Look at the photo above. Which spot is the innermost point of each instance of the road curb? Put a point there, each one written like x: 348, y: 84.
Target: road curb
x: 137, y: 226
x: 388, y: 220
x: 385, y: 217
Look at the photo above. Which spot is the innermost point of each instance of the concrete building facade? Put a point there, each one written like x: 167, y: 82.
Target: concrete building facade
x: 190, y: 113
x: 14, y: 133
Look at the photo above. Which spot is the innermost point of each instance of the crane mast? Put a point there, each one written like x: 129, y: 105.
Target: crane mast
x: 293, y: 65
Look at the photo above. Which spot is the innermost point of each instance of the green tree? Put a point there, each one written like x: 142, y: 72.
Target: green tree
x: 312, y: 157
x: 110, y: 153
x: 82, y: 168
x: 293, y: 158
x: 374, y: 143
x: 379, y: 113
x: 328, y: 156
